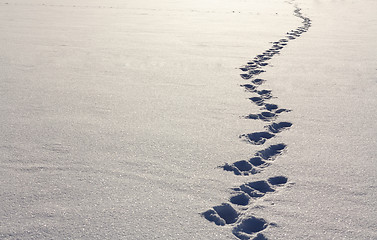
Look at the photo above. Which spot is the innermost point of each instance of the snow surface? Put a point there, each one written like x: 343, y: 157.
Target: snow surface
x: 117, y: 118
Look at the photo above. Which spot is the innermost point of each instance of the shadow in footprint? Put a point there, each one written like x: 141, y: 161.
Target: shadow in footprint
x: 258, y: 162
x: 279, y: 180
x: 240, y: 199
x: 227, y: 212
x: 260, y: 236
x: 243, y: 166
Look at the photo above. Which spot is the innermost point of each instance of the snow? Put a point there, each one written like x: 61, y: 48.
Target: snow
x: 118, y: 120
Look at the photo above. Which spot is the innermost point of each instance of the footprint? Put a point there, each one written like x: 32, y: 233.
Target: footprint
x: 258, y: 189
x: 282, y: 110
x: 262, y: 57
x: 251, y: 74
x: 265, y: 94
x: 249, y: 87
x: 271, y: 152
x: 222, y: 214
x: 278, y: 127
x: 254, y: 165
x: 274, y: 108
x: 264, y: 116
x: 257, y: 138
x: 249, y: 67
x: 252, y: 63
x: 246, y: 76
x: 267, y: 116
x: 271, y: 107
x: 242, y: 167
x: 278, y: 181
x: 212, y: 216
x: 258, y: 162
x: 258, y: 81
x: 261, y: 186
x: 242, y: 199
x: 257, y: 100
x: 256, y: 72
x: 249, y: 226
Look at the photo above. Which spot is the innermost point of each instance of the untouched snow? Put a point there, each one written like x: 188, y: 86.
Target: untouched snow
x: 331, y: 88
x: 117, y: 119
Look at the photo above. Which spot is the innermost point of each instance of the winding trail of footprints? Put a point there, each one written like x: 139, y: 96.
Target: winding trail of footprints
x: 234, y: 212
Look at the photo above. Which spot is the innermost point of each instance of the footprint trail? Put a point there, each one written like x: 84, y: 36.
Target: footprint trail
x: 236, y: 212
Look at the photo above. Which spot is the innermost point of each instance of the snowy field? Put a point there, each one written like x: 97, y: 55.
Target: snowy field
x: 188, y: 119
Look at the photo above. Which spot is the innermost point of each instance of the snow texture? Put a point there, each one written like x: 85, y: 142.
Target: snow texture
x: 200, y: 119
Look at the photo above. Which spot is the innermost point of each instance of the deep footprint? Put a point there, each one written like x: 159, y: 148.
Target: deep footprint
x: 271, y: 152
x: 258, y: 81
x: 257, y: 189
x: 274, y: 108
x: 278, y: 127
x: 254, y: 165
x: 240, y: 199
x: 279, y: 180
x: 257, y: 138
x: 257, y: 100
x: 222, y: 214
x: 249, y: 226
x: 265, y: 94
x: 240, y: 168
x: 264, y: 116
x: 249, y: 87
